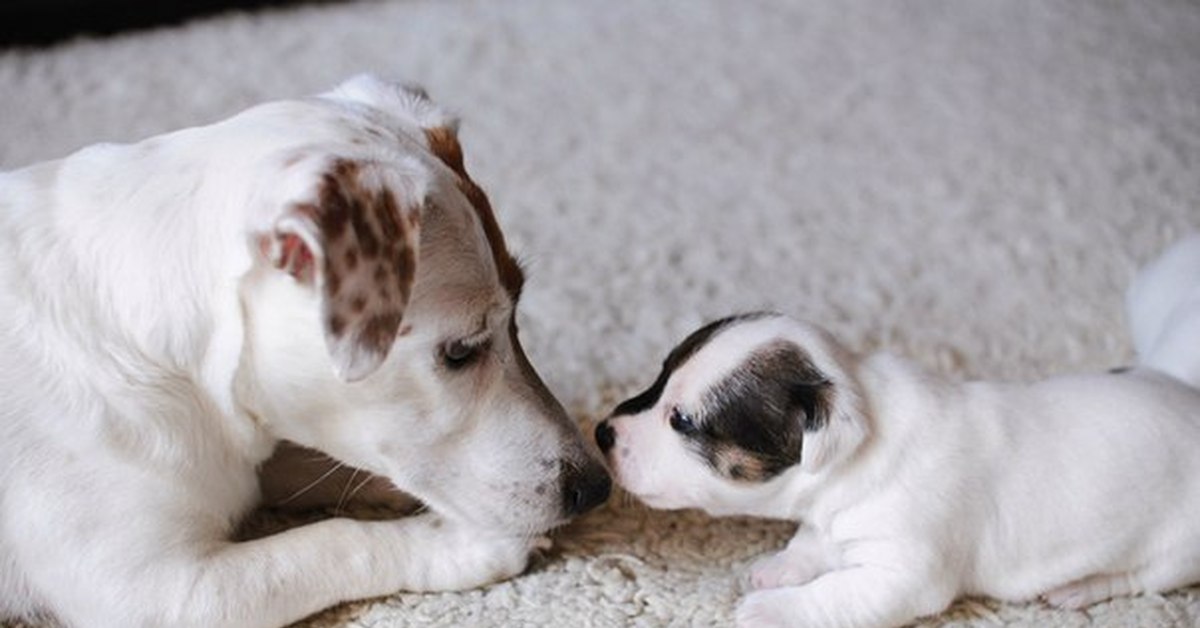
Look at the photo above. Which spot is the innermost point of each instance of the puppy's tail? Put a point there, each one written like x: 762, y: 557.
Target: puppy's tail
x: 1163, y: 306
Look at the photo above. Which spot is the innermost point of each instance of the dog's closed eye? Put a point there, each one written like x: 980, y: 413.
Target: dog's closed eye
x: 463, y: 352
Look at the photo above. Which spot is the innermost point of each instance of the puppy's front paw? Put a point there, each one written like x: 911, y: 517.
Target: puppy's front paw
x: 766, y: 609
x: 780, y: 570
x: 1088, y: 591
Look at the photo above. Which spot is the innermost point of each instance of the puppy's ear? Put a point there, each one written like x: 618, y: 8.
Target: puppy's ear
x: 836, y: 436
x: 837, y: 425
x: 355, y: 243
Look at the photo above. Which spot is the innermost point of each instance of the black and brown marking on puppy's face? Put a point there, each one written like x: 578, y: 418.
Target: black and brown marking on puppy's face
x: 750, y: 426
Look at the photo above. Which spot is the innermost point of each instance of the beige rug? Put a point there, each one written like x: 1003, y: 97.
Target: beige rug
x: 968, y: 182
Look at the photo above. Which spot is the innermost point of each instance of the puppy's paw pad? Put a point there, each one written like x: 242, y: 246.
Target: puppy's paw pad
x: 1068, y: 598
x: 764, y: 609
x: 777, y: 571
x: 1084, y: 593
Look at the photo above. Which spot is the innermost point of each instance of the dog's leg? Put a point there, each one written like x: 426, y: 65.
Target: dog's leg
x: 127, y: 577
x: 1181, y: 569
x: 281, y: 578
x: 847, y: 598
x: 1090, y: 590
x: 806, y: 556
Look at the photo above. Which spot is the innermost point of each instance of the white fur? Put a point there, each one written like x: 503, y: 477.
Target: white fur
x: 151, y: 358
x: 1164, y: 311
x: 921, y: 490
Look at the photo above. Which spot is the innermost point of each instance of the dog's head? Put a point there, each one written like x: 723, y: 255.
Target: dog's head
x: 380, y: 314
x: 740, y: 406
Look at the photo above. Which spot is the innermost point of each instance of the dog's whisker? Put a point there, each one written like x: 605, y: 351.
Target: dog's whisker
x: 345, y: 490
x: 336, y: 465
x: 359, y: 487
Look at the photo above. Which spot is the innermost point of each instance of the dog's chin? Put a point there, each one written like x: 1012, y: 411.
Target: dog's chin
x: 499, y: 521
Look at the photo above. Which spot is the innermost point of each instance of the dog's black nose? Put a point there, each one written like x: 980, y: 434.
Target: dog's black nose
x: 584, y: 489
x: 606, y: 436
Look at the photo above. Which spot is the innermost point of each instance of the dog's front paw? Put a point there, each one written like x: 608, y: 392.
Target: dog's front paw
x: 473, y: 558
x: 780, y: 570
x: 766, y: 609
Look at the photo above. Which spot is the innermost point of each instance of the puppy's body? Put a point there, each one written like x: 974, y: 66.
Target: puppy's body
x: 1078, y: 488
x: 318, y: 270
x: 911, y: 489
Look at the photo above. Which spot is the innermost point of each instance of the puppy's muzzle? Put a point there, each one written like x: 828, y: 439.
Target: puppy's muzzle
x: 584, y: 488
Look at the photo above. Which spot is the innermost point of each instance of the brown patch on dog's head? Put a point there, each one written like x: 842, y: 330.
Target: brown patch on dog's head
x: 443, y: 142
x: 357, y: 244
x: 752, y: 423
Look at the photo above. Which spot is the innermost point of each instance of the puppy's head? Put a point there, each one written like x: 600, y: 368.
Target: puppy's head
x: 381, y: 314
x: 739, y: 406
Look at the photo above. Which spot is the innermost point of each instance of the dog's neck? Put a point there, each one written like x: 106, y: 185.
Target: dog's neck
x: 125, y: 255
x: 896, y: 394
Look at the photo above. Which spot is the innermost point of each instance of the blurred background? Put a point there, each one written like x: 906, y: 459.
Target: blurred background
x: 970, y: 183
x: 43, y: 22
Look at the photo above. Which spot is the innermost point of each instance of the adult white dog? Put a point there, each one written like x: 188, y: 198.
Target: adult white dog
x: 319, y: 270
x: 913, y: 490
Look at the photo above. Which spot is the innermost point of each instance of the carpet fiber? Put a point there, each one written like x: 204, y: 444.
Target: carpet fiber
x: 966, y: 182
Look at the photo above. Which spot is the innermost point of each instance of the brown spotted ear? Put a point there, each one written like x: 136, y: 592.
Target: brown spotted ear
x: 356, y: 244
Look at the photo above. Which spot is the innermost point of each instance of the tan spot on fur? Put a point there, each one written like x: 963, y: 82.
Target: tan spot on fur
x: 333, y: 280
x: 379, y: 331
x: 739, y: 464
x: 444, y: 144
x: 337, y: 325
x: 369, y: 244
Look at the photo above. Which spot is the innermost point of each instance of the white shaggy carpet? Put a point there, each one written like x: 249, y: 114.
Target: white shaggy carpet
x: 971, y: 183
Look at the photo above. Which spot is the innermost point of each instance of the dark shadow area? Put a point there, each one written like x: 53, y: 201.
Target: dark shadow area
x: 44, y: 22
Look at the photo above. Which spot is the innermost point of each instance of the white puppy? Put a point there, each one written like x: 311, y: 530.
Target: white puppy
x: 913, y: 490
x: 319, y: 270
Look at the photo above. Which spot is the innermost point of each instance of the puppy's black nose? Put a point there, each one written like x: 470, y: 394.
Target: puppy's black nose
x: 606, y: 436
x: 584, y: 489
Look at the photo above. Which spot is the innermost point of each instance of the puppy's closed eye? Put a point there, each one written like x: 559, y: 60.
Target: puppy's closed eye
x: 682, y: 422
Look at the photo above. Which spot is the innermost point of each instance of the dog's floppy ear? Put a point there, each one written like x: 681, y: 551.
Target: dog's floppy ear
x: 355, y: 243
x: 837, y: 425
x: 836, y: 433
